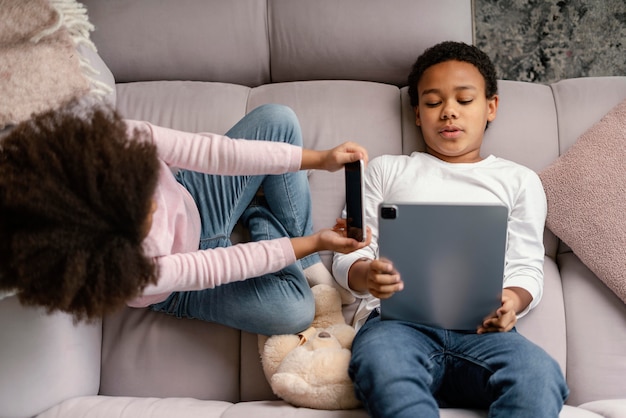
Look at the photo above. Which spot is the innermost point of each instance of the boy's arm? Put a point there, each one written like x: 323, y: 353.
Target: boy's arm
x: 523, y: 282
x: 520, y: 298
x: 525, y: 250
x: 357, y: 275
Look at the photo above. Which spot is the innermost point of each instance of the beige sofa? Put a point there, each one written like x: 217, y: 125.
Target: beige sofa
x: 200, y: 65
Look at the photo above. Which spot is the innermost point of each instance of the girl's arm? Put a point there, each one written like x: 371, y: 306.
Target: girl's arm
x: 206, y: 269
x: 218, y: 154
x: 211, y: 268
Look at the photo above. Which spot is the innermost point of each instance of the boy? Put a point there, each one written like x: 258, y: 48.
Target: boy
x: 403, y: 369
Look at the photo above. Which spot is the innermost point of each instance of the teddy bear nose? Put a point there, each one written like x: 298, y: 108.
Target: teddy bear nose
x: 324, y: 334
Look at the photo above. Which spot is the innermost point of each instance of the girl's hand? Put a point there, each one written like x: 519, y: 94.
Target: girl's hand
x: 334, y: 239
x: 330, y: 240
x: 333, y: 159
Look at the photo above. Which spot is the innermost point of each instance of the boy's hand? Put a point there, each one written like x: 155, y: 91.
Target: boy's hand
x: 333, y: 159
x: 382, y: 279
x: 514, y: 300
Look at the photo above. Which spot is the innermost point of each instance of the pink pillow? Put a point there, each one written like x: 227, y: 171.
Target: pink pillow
x: 586, y: 192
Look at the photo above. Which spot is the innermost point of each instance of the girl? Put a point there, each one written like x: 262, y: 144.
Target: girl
x: 92, y: 217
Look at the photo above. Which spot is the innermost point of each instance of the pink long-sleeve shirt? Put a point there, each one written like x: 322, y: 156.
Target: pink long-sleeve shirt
x: 175, y: 233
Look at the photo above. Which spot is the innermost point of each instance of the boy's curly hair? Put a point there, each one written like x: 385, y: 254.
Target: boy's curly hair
x: 75, y: 193
x: 453, y: 51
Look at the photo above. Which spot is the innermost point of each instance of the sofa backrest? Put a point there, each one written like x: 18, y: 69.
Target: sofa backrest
x: 255, y: 42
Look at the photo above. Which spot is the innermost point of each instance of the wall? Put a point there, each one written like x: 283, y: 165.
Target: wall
x: 548, y: 40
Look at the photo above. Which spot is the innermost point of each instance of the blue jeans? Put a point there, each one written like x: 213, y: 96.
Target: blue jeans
x: 277, y: 303
x: 407, y: 370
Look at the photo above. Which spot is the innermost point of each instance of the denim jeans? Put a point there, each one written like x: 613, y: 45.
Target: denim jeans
x: 402, y: 369
x: 276, y: 303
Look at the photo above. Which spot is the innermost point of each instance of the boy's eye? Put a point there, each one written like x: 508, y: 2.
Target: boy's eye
x: 465, y: 101
x: 432, y: 104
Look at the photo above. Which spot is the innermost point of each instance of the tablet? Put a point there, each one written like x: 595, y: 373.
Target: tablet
x: 451, y: 259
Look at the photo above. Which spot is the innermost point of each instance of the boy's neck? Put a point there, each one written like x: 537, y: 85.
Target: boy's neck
x: 460, y: 159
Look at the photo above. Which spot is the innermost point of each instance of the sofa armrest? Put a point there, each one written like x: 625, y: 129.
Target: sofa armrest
x: 45, y: 359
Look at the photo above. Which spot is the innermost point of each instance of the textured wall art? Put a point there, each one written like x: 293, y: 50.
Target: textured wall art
x: 548, y: 40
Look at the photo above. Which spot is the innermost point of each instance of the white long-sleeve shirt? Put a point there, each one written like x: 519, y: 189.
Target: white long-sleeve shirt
x: 422, y: 177
x: 174, y: 237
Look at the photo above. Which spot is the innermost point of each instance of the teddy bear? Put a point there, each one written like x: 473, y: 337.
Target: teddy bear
x: 311, y: 369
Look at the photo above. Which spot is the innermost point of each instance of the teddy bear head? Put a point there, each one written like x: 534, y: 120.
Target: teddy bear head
x: 311, y: 369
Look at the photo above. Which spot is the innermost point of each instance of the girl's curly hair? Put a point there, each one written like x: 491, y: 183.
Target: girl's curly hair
x: 75, y: 193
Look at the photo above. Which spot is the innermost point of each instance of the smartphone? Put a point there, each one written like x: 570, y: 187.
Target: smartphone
x: 355, y: 203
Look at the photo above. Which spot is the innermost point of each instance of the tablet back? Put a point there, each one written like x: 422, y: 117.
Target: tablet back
x: 451, y: 259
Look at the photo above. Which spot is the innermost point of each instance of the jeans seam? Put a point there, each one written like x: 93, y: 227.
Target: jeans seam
x: 472, y: 360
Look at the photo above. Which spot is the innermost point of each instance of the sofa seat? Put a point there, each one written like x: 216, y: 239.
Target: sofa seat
x: 131, y: 407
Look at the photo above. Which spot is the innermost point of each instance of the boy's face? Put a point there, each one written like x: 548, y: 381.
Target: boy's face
x: 453, y: 111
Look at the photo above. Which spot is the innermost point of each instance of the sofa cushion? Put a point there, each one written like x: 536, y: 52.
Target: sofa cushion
x: 129, y: 407
x: 45, y: 358
x: 342, y: 40
x: 581, y: 102
x: 545, y: 324
x: 191, y: 106
x: 223, y: 41
x: 525, y: 126
x: 152, y: 354
x: 596, y: 335
x: 586, y: 193
x: 610, y: 408
x: 272, y: 409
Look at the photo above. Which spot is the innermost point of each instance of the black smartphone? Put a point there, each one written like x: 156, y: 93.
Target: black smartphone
x: 355, y: 204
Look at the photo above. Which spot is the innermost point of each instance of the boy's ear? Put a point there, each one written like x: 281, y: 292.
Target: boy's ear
x: 418, y: 122
x: 492, y: 107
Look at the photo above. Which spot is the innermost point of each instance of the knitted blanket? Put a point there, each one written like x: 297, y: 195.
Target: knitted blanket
x: 40, y: 67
